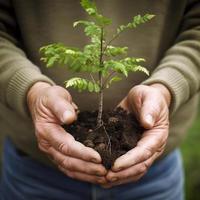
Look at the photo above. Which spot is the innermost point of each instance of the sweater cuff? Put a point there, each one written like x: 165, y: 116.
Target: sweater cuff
x: 19, y: 85
x: 176, y: 84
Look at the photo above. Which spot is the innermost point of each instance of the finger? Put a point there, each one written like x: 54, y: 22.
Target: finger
x: 75, y: 107
x: 145, y: 104
x: 152, y: 141
x: 127, y: 173
x: 134, y: 156
x: 74, y: 164
x: 146, y: 147
x: 63, y: 109
x: 124, y: 104
x: 120, y: 182
x: 83, y: 177
x: 150, y: 111
x: 133, y: 171
x: 67, y: 145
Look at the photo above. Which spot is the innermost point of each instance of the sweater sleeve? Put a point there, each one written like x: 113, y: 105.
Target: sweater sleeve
x: 18, y: 73
x: 179, y: 70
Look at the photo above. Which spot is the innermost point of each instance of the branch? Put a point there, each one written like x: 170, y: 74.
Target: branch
x: 114, y: 37
x: 107, y: 79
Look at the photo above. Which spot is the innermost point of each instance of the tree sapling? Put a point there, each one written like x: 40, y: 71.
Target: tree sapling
x: 109, y: 63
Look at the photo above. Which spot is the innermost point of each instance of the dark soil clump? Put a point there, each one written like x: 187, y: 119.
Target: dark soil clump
x: 118, y: 134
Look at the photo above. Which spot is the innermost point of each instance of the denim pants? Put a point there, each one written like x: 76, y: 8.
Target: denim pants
x: 26, y: 179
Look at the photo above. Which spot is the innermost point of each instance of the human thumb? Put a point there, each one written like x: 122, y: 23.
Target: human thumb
x: 148, y: 121
x: 64, y: 111
x: 148, y: 115
x: 69, y: 116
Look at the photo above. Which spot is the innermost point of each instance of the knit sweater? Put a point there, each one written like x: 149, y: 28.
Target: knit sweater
x: 170, y: 43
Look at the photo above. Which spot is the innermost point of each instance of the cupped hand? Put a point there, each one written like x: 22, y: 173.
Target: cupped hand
x: 50, y: 107
x: 150, y: 105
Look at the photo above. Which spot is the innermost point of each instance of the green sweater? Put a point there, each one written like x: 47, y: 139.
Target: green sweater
x: 170, y: 43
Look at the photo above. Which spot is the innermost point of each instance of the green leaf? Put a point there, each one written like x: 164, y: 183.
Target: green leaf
x: 90, y: 87
x: 83, y: 22
x: 137, y: 20
x: 82, y: 84
x: 92, y: 30
x: 96, y: 88
x: 115, y: 79
x: 115, y: 51
x: 72, y: 58
x: 51, y: 61
x: 141, y: 69
x: 103, y: 21
x: 91, y: 9
x: 133, y: 65
x: 149, y: 16
x: 115, y: 66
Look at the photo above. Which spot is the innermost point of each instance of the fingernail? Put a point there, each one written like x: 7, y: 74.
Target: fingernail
x: 149, y: 119
x: 67, y: 115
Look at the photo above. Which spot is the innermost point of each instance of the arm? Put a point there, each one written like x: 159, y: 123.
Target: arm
x: 18, y: 73
x: 23, y: 88
x: 174, y: 81
x: 179, y: 70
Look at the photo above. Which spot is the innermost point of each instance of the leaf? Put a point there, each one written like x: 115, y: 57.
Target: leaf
x: 92, y: 30
x: 103, y: 21
x: 51, y: 61
x: 96, y: 88
x: 116, y: 66
x: 91, y: 9
x: 90, y: 87
x: 115, y: 79
x: 82, y: 84
x: 115, y: 51
x: 149, y: 16
x: 137, y: 20
x: 133, y: 65
x: 83, y: 22
x: 141, y: 69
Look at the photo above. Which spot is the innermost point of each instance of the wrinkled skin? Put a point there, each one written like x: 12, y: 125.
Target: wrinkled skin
x: 150, y: 105
x: 51, y: 106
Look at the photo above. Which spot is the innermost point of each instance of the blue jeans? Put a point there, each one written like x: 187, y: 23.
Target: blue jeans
x: 26, y: 179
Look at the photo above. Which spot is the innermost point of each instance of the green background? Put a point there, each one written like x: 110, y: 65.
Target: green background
x: 191, y: 158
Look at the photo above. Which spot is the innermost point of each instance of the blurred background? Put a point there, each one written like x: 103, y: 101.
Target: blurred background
x: 191, y: 157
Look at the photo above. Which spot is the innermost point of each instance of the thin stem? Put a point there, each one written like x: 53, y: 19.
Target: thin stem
x: 100, y: 107
x: 108, y: 77
x: 114, y: 37
x: 109, y: 142
x: 93, y: 80
x: 100, y: 111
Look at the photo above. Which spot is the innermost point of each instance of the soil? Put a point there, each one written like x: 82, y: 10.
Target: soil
x: 118, y: 134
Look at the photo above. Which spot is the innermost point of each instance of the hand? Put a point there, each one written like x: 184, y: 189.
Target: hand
x: 51, y: 106
x: 150, y: 105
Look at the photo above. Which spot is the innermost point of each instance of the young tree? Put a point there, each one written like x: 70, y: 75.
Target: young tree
x: 98, y: 57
